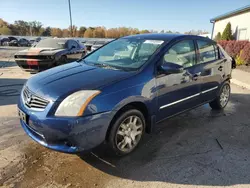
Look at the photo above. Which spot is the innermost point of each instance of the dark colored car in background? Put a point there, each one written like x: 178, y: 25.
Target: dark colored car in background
x: 97, y: 45
x: 19, y: 42
x: 49, y: 53
x: 23, y: 42
x: 122, y: 90
x: 4, y: 41
x: 34, y: 41
x: 12, y: 38
x: 13, y: 42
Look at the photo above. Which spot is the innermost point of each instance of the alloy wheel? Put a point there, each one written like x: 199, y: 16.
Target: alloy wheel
x: 224, y: 96
x: 129, y: 133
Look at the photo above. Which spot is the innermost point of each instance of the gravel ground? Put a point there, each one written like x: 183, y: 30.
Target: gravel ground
x: 201, y: 148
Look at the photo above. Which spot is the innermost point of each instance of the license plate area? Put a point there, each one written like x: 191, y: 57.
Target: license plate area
x: 23, y: 116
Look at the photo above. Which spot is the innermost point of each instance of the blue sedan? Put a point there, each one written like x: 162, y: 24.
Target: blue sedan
x: 122, y: 90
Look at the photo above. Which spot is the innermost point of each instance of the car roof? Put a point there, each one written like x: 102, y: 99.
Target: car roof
x: 165, y: 36
x: 156, y: 36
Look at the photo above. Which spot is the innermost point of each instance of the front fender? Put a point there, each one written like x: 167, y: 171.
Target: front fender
x: 114, y: 101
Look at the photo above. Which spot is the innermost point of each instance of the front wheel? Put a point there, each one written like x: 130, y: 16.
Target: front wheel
x: 63, y: 60
x: 221, y: 101
x: 126, y: 132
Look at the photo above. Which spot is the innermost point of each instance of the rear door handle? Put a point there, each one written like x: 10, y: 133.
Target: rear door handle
x: 220, y: 68
x: 196, y: 75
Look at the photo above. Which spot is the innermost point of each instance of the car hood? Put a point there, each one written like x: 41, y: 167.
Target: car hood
x: 60, y: 81
x: 40, y: 51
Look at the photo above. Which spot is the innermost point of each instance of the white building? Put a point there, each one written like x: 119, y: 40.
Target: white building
x: 240, y: 23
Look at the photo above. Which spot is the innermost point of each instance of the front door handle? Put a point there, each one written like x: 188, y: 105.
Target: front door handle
x: 196, y: 75
x: 220, y: 68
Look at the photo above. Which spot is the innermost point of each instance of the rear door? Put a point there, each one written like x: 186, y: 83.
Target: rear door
x: 211, y: 69
x: 178, y: 92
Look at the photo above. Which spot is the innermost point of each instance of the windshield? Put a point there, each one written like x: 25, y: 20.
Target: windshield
x: 51, y: 43
x: 129, y: 54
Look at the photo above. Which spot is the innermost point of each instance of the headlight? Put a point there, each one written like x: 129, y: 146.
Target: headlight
x: 76, y: 103
x: 50, y: 57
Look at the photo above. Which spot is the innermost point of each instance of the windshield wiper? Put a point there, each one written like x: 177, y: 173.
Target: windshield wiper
x: 105, y: 66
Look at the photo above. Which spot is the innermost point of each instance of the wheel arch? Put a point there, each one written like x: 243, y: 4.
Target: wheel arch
x: 139, y: 105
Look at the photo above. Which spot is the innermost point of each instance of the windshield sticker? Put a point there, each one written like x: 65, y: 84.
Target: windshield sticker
x: 159, y: 42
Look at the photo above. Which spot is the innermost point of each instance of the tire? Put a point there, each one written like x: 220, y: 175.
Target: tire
x: 222, y: 99
x: 62, y: 60
x: 83, y: 54
x: 123, y: 132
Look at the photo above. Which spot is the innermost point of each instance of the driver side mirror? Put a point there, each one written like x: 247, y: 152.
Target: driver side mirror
x: 170, y: 68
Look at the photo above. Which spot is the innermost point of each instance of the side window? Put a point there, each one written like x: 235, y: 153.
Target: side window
x: 182, y: 53
x: 207, y: 51
x: 221, y: 54
x: 216, y: 48
x: 74, y: 43
x: 69, y: 44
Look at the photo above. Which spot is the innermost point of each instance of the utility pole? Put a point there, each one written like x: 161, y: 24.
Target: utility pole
x: 71, y: 28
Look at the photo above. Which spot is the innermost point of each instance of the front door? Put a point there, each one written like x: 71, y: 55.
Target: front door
x: 180, y: 91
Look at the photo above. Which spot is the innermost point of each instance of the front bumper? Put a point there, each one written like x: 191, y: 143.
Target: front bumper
x: 69, y: 135
x: 35, y: 64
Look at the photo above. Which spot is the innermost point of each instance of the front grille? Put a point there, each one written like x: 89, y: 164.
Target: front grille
x: 31, y: 100
x: 41, y: 57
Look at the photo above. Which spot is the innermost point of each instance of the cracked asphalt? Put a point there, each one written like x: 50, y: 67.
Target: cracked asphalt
x: 200, y: 148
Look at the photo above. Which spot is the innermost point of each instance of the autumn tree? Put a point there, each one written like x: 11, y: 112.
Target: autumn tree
x: 35, y: 27
x: 74, y: 32
x: 46, y: 32
x: 81, y: 31
x: 56, y: 32
x: 134, y: 31
x: 99, y: 32
x: 112, y: 33
x: 144, y: 31
x: 88, y: 33
x: 65, y: 33
x: 5, y: 30
x: 21, y: 27
x: 3, y: 23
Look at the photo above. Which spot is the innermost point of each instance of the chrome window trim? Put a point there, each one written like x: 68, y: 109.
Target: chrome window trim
x: 189, y: 97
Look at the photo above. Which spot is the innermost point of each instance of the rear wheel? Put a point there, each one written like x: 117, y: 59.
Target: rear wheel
x: 126, y: 132
x: 221, y: 101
